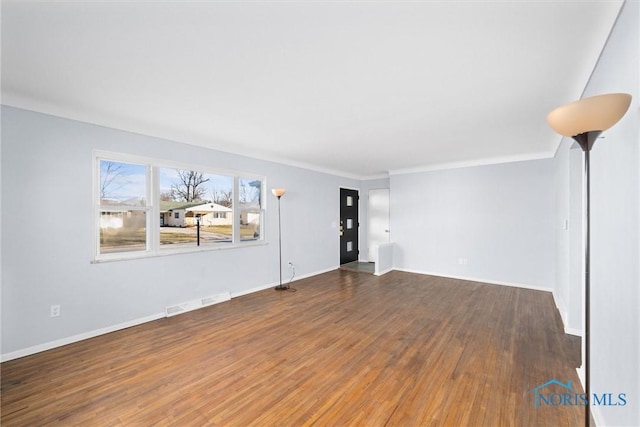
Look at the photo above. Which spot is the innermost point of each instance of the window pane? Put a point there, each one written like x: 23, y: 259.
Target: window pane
x: 217, y: 218
x: 216, y: 223
x: 123, y: 184
x: 192, y: 202
x: 250, y: 200
x: 250, y: 225
x: 123, y: 231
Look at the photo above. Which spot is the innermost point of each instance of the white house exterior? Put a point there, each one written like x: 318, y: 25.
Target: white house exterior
x: 210, y: 214
x: 181, y: 214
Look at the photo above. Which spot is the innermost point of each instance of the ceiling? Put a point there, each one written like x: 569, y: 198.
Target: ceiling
x: 359, y: 88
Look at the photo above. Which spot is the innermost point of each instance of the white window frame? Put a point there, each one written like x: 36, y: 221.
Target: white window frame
x: 152, y: 208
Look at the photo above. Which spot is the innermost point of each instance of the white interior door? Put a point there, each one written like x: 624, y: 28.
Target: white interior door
x: 378, y: 229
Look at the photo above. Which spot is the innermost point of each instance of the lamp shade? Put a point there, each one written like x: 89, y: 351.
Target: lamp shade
x: 597, y: 113
x: 278, y: 192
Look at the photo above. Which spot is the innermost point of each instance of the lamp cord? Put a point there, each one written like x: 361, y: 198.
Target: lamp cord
x: 289, y: 288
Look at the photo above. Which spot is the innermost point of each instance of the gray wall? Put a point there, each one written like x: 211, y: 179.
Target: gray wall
x: 47, y: 229
x: 499, y: 218
x: 615, y: 226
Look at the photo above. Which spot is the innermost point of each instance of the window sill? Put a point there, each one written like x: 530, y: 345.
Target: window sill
x: 169, y: 252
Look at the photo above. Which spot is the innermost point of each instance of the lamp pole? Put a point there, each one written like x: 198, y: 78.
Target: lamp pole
x: 279, y: 192
x: 586, y: 141
x: 584, y: 121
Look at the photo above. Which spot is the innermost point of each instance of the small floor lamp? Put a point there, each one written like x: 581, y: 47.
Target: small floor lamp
x: 279, y: 192
x: 584, y: 121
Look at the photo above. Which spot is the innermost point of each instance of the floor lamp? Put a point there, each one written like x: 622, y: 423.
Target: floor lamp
x: 584, y: 121
x: 279, y: 192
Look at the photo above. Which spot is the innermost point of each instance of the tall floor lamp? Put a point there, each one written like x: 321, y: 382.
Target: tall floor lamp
x: 584, y: 121
x: 279, y: 192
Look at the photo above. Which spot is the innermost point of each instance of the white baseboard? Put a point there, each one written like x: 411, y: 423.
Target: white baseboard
x: 565, y: 316
x: 274, y: 284
x: 475, y: 279
x: 595, y: 410
x: 380, y: 273
x: 560, y: 306
x: 573, y: 331
x: 91, y: 334
x: 252, y: 290
x: 580, y: 372
x: 79, y: 337
x: 597, y: 415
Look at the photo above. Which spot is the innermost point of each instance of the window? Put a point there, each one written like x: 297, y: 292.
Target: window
x: 204, y: 200
x: 149, y: 207
x: 123, y: 207
x: 250, y: 201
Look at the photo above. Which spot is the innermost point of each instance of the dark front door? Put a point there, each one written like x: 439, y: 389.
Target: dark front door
x: 348, y: 225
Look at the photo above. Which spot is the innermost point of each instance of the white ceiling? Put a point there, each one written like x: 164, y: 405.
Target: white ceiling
x: 356, y: 87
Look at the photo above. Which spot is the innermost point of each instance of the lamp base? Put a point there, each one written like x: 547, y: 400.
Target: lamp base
x: 281, y: 288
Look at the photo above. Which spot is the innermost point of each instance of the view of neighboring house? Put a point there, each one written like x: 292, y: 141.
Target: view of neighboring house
x: 250, y: 217
x: 117, y: 219
x: 183, y: 214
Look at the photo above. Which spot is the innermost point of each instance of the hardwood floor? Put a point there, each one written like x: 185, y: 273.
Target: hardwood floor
x: 345, y: 349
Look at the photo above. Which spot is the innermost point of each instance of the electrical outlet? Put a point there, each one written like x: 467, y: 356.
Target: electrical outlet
x: 55, y: 311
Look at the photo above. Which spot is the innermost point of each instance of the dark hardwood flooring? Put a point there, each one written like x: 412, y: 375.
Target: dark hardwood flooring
x: 346, y: 349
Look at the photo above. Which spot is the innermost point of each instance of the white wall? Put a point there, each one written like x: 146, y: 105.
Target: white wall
x: 615, y: 228
x: 47, y: 168
x: 499, y: 218
x: 562, y: 225
x: 575, y: 308
x: 569, y: 249
x: 615, y: 231
x: 365, y: 186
